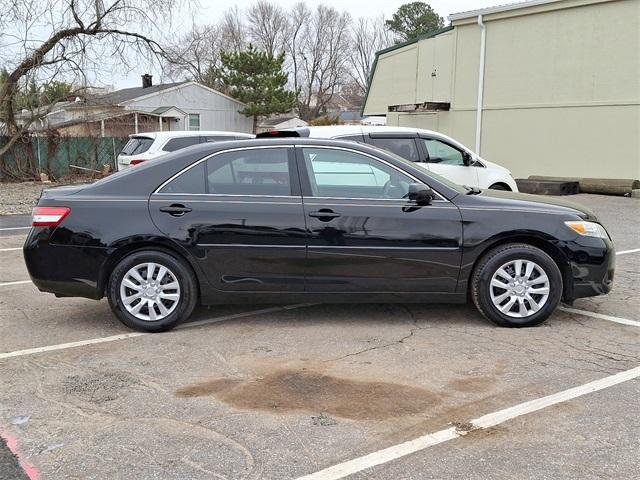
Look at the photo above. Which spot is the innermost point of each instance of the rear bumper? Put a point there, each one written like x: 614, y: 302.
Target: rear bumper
x: 593, y: 262
x: 64, y: 270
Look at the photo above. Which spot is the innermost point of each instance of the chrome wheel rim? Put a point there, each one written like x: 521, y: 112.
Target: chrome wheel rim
x: 519, y: 288
x: 150, y: 291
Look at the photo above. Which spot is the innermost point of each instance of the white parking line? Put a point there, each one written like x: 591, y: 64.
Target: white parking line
x: 412, y: 446
x: 14, y: 228
x: 10, y: 249
x: 624, y: 252
x: 609, y: 318
x: 21, y: 282
x: 113, y: 338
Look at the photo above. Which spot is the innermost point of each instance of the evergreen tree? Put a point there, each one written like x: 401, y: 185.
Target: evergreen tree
x: 257, y: 79
x: 414, y: 19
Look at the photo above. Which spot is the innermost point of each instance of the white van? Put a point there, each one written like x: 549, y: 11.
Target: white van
x: 147, y: 146
x: 430, y: 150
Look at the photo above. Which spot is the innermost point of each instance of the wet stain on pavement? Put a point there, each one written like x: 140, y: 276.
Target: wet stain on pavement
x: 293, y: 390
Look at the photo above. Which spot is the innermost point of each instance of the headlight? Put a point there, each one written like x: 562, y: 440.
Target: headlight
x: 588, y: 229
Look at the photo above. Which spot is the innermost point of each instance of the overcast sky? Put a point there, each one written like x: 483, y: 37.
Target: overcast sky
x: 212, y: 9
x: 209, y: 11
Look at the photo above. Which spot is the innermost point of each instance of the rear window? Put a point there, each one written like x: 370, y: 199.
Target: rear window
x: 137, y: 145
x: 179, y: 143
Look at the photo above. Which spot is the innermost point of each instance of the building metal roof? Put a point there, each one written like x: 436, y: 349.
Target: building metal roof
x: 499, y: 8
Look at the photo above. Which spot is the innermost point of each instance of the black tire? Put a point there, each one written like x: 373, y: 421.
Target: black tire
x: 500, y: 186
x: 492, y: 261
x: 183, y: 275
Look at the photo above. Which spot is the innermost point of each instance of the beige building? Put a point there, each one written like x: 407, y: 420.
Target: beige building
x: 546, y: 87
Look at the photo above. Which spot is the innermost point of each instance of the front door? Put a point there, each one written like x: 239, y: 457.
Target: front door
x: 448, y: 161
x: 239, y: 213
x: 365, y: 235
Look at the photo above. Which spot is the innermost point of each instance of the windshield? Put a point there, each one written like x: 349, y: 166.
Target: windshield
x: 137, y: 145
x: 435, y: 176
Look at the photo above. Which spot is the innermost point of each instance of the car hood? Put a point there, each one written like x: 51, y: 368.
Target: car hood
x: 496, y: 199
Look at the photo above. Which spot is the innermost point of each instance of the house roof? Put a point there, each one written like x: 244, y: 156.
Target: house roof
x: 124, y: 95
x: 165, y: 109
x: 350, y: 116
x: 270, y: 122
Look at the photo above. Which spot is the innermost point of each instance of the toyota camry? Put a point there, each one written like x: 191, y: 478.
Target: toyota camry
x: 295, y: 219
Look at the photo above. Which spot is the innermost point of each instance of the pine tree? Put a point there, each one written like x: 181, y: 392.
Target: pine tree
x: 257, y: 79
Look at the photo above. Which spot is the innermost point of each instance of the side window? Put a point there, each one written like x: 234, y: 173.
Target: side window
x: 443, y: 153
x: 190, y: 182
x: 263, y: 171
x: 404, y: 147
x: 339, y: 173
x: 179, y: 143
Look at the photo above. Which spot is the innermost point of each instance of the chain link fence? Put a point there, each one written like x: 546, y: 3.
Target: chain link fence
x: 59, y: 156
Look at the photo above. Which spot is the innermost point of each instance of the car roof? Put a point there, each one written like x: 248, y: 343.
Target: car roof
x: 189, y: 133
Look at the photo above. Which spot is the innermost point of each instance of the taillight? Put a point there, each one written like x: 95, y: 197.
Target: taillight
x: 49, y: 216
x: 135, y: 162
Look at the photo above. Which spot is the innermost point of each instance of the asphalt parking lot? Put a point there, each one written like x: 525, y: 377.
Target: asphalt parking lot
x: 324, y: 391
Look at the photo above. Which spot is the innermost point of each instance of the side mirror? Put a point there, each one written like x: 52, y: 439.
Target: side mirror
x: 421, y: 194
x: 467, y: 159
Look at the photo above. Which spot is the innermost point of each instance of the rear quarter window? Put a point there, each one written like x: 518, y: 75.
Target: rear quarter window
x: 190, y: 182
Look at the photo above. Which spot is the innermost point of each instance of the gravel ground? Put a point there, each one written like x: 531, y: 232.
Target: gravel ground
x: 20, y: 198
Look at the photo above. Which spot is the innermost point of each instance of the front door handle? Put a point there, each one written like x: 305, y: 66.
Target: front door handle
x: 324, y: 214
x: 175, y: 210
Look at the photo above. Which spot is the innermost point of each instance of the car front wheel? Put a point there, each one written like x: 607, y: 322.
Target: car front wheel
x: 516, y: 285
x: 151, y: 291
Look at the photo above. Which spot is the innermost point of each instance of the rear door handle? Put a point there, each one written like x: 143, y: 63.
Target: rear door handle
x: 324, y: 214
x: 175, y: 210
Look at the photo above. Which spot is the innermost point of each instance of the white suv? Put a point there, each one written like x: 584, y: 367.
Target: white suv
x: 432, y: 151
x: 147, y: 146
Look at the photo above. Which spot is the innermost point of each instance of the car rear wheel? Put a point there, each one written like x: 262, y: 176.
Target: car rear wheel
x: 516, y: 285
x: 500, y: 186
x: 152, y: 291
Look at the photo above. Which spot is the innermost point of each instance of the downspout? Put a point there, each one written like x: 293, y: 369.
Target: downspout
x: 483, y: 38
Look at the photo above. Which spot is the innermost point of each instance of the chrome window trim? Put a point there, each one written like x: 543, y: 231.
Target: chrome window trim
x: 328, y: 147
x: 353, y: 247
x: 204, y: 159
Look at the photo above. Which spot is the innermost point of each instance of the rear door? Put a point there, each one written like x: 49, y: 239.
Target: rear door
x: 404, y: 145
x: 240, y: 214
x: 365, y: 235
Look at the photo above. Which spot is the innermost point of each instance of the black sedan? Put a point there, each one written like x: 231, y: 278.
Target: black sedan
x: 284, y: 220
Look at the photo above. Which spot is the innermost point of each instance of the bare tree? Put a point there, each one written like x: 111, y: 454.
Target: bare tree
x: 233, y: 31
x: 319, y: 56
x: 369, y: 35
x: 79, y: 36
x: 196, y: 55
x: 267, y: 26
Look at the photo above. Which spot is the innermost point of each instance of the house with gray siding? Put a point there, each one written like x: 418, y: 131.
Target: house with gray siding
x: 163, y: 107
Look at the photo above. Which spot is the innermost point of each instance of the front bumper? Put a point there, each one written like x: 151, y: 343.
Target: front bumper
x: 592, y: 262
